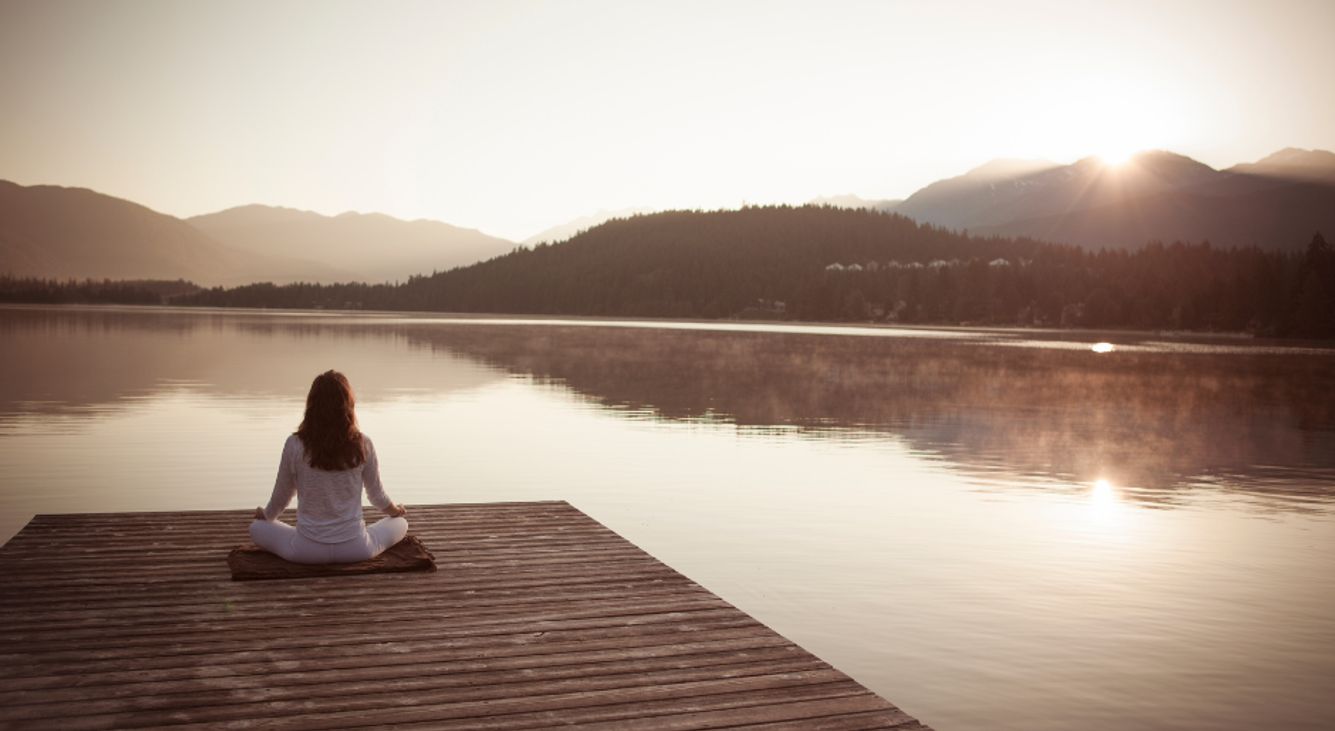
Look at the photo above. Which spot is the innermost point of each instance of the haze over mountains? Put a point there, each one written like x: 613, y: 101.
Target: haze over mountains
x: 1277, y: 202
x: 563, y: 231
x: 856, y: 201
x: 52, y: 231
x: 371, y: 247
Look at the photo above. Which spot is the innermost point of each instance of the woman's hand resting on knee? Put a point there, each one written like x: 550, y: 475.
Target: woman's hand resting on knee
x: 396, y: 510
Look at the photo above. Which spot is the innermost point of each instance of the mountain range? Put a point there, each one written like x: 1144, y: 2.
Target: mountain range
x: 58, y: 232
x: 1277, y: 202
x: 51, y: 231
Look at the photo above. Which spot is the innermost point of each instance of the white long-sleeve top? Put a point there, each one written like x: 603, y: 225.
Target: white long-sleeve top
x: 329, y: 502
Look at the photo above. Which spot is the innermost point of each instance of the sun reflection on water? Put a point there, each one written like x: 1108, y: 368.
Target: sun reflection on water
x: 1105, y: 502
x: 1103, y: 492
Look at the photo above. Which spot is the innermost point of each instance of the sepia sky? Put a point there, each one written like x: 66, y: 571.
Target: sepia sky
x: 515, y: 116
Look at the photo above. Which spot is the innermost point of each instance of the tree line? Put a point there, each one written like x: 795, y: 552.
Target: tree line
x: 828, y: 264
x: 38, y: 290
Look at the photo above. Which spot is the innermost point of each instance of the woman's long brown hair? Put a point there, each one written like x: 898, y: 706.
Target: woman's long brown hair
x: 329, y: 428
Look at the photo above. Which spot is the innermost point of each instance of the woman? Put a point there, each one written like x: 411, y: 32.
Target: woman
x: 325, y: 464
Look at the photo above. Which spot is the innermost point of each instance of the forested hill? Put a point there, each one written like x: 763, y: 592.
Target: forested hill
x: 821, y: 263
x: 700, y: 264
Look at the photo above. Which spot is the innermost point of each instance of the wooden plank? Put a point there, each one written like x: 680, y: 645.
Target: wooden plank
x: 586, y: 705
x: 350, y: 631
x: 312, y: 590
x: 841, y: 721
x: 538, y: 616
x: 222, y: 704
x: 213, y: 704
x: 599, y: 614
x: 166, y: 672
x: 804, y: 713
x: 456, y: 560
x: 163, y: 596
x: 27, y: 576
x: 153, y: 619
x: 614, y: 714
x: 456, y: 672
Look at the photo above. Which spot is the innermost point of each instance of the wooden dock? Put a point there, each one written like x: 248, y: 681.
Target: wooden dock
x: 539, y: 617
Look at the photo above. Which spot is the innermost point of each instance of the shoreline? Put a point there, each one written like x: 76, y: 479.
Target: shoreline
x: 833, y: 327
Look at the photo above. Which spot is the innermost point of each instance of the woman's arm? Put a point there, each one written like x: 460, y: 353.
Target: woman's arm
x: 284, y: 485
x: 375, y: 490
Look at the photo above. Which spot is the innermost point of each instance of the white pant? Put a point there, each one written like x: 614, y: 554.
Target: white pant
x: 282, y: 539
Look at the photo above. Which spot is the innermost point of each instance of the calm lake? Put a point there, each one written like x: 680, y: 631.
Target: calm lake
x: 993, y: 529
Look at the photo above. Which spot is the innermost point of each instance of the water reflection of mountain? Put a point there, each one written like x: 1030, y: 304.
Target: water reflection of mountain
x: 61, y: 360
x: 1159, y: 423
x: 1163, y: 423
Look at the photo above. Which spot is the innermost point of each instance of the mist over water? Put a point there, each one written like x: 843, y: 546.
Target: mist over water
x: 993, y: 529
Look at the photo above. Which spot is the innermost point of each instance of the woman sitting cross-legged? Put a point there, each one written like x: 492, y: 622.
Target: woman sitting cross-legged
x: 325, y: 464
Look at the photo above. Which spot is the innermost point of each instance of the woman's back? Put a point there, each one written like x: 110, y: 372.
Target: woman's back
x: 329, y: 502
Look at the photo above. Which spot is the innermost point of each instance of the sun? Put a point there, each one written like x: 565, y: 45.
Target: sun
x: 1107, y: 122
x: 1115, y: 157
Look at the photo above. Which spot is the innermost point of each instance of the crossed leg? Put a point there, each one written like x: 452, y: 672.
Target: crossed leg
x: 283, y: 540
